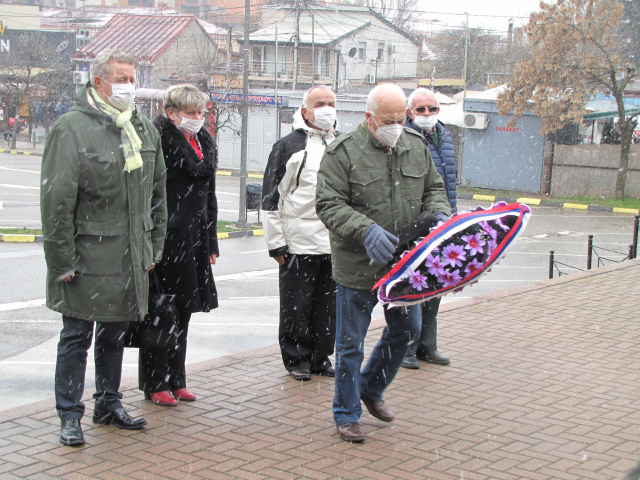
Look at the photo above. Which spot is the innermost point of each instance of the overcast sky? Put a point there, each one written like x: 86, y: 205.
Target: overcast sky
x: 491, y: 14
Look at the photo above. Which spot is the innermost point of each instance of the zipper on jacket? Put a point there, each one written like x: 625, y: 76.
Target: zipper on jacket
x: 393, y: 179
x: 304, y: 161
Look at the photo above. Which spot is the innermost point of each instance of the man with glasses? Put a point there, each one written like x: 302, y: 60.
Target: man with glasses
x: 104, y: 218
x: 422, y: 116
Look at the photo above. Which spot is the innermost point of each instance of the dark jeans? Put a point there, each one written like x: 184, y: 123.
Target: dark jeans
x: 428, y: 341
x: 71, y: 365
x: 307, y: 312
x: 161, y: 370
x: 353, y: 318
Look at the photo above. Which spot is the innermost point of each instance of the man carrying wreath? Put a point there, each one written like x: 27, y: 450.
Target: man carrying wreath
x: 372, y: 182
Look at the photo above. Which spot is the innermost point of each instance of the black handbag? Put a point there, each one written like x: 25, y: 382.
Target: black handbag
x: 159, y: 328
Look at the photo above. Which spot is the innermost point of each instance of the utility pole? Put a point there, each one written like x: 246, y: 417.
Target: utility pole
x: 313, y: 53
x: 228, y: 82
x: 275, y: 86
x: 509, y: 45
x: 296, y: 43
x: 466, y: 50
x: 242, y: 208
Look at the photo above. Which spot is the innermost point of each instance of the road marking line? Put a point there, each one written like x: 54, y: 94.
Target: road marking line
x: 18, y: 170
x: 487, y: 198
x: 227, y: 174
x: 253, y: 251
x: 17, y: 238
x: 624, y: 210
x: 18, y: 305
x: 530, y: 201
x: 8, y: 185
x: 577, y: 206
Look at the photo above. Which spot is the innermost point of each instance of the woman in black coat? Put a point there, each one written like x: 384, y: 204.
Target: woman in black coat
x: 191, y: 245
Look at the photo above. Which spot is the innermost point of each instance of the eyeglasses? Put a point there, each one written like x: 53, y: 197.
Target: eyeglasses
x: 432, y: 109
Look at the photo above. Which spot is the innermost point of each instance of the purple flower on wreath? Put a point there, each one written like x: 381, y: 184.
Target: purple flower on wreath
x: 489, y: 230
x: 434, y: 265
x: 492, y: 245
x: 417, y: 281
x: 474, y: 243
x: 449, y: 278
x: 472, y: 267
x: 453, y: 255
x: 498, y: 221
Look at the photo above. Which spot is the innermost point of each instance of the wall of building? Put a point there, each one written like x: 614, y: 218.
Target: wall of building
x: 20, y: 17
x: 502, y: 158
x: 591, y: 170
x: 183, y: 57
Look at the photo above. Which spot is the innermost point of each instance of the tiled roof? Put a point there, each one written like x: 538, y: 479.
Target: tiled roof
x: 144, y: 36
x: 91, y: 16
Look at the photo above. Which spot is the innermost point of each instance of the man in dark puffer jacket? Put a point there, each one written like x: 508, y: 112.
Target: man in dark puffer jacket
x: 422, y: 116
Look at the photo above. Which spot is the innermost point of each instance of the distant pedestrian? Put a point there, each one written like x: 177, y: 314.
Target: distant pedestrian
x: 191, y: 246
x: 372, y: 182
x: 104, y: 219
x: 422, y: 116
x: 298, y: 240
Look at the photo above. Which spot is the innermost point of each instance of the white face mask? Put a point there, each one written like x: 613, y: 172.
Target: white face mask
x: 324, y: 118
x: 122, y: 95
x: 388, y: 135
x: 426, y: 123
x: 190, y: 125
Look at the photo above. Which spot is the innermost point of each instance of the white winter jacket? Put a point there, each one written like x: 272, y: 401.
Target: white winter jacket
x: 291, y: 224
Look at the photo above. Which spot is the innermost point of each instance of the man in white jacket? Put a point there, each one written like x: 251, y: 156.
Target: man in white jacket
x: 299, y: 241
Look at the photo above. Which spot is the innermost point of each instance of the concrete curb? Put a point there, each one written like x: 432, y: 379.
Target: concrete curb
x: 229, y: 173
x: 16, y: 238
x: 21, y: 152
x: 545, y: 203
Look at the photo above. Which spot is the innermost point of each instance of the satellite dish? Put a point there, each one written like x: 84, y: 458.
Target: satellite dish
x: 352, y: 52
x: 62, y: 46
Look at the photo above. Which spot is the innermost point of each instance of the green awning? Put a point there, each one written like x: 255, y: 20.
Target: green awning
x: 610, y: 114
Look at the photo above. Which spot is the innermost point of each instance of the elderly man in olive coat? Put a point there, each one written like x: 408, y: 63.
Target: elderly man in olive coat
x: 104, y: 220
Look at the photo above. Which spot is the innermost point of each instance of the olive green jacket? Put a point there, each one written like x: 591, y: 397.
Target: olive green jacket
x: 361, y: 182
x: 98, y: 221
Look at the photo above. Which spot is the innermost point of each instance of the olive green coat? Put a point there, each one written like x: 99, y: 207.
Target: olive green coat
x: 361, y: 182
x: 104, y: 224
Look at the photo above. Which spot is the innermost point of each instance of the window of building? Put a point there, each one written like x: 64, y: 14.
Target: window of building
x: 380, y: 51
x: 362, y: 51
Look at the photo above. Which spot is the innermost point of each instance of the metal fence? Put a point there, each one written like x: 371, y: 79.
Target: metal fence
x: 603, y: 255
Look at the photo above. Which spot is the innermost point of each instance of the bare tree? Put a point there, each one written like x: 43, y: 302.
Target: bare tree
x: 577, y: 49
x: 398, y: 12
x: 33, y: 59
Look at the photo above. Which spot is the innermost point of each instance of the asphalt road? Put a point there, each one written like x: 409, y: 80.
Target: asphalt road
x: 245, y: 276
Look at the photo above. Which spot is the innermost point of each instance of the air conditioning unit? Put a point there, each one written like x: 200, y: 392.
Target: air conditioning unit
x: 476, y: 120
x: 391, y: 49
x: 370, y: 78
x: 80, y: 78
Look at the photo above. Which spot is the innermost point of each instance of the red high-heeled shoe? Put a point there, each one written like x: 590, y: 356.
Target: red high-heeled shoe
x: 163, y: 399
x: 184, y: 394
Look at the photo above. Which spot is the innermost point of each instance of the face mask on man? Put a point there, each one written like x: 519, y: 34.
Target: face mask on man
x: 426, y: 123
x: 122, y: 95
x: 190, y: 125
x: 388, y: 135
x: 324, y: 118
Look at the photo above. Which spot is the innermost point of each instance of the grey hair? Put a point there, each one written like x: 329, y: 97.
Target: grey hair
x: 424, y: 91
x: 184, y: 97
x: 373, y: 100
x: 305, y: 97
x: 101, y: 65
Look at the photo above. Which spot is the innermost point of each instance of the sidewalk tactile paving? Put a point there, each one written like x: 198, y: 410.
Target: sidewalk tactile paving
x: 544, y: 383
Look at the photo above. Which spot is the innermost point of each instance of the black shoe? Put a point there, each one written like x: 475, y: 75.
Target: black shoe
x: 301, y: 374
x: 327, y: 372
x: 71, y: 432
x: 410, y: 361
x: 433, y: 357
x: 119, y: 418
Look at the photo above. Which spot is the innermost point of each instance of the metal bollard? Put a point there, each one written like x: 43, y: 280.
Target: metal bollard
x: 630, y: 256
x: 551, y: 264
x: 589, y: 251
x: 636, y: 226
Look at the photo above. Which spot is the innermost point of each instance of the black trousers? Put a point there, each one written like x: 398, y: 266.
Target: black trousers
x: 161, y: 370
x: 428, y: 341
x: 71, y: 365
x: 307, y: 312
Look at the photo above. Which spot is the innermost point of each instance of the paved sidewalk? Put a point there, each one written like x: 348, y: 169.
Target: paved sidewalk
x: 544, y: 383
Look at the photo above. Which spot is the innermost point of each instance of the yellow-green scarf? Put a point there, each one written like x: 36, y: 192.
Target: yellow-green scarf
x: 130, y: 141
